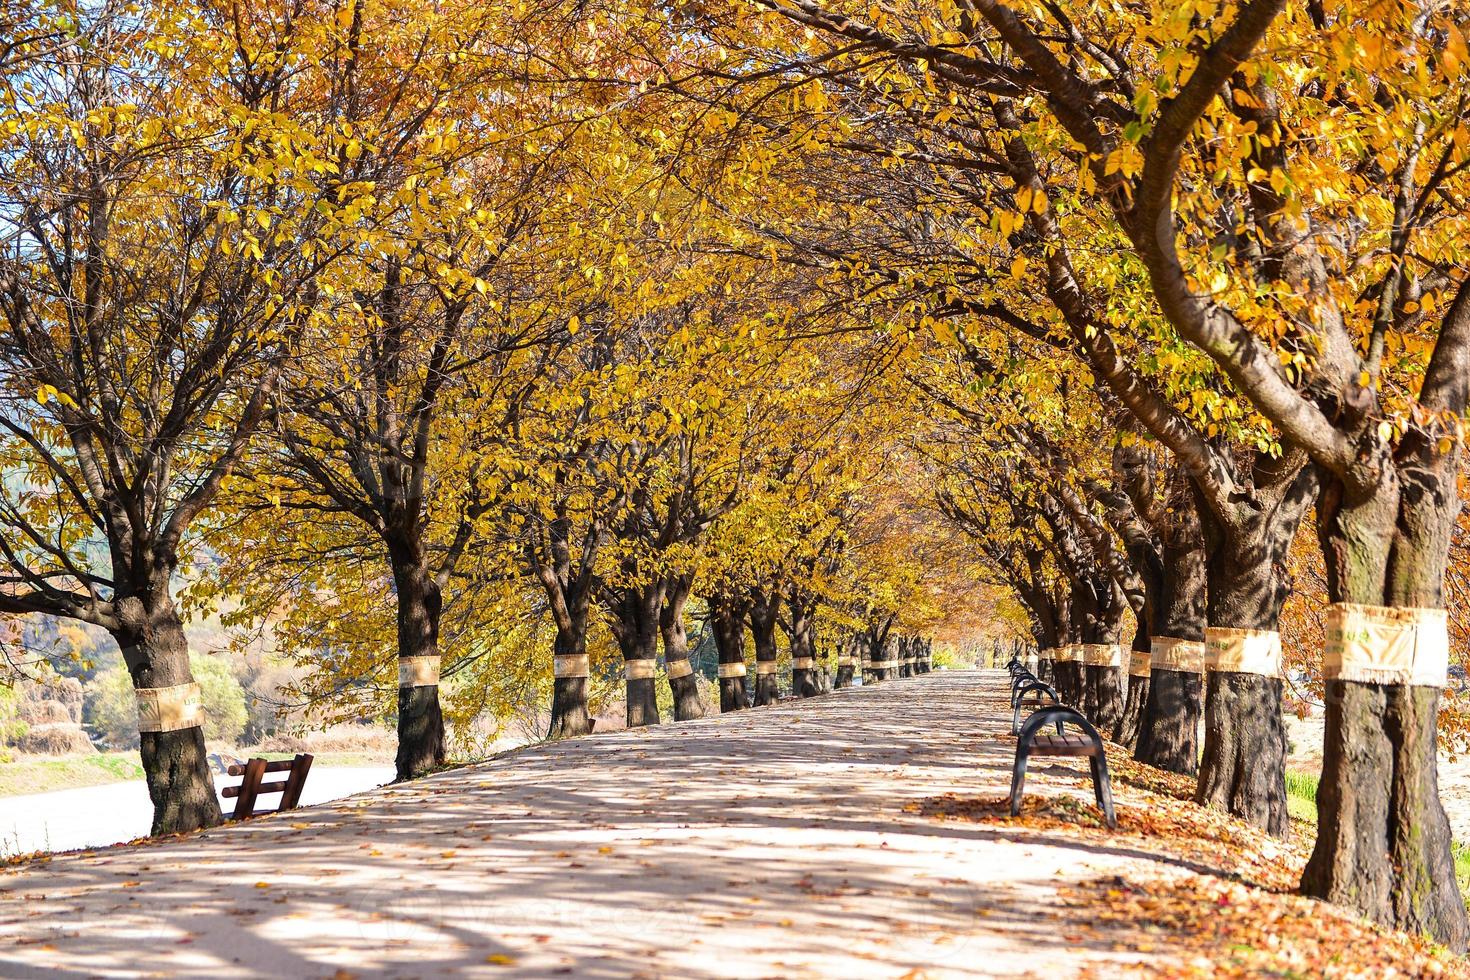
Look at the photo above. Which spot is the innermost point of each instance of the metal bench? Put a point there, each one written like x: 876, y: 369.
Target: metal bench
x: 1089, y: 744
x: 1018, y: 678
x: 251, y: 786
x: 1018, y: 701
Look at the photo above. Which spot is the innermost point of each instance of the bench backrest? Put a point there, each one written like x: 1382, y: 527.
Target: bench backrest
x: 1037, y: 688
x: 1058, y: 714
x: 251, y: 787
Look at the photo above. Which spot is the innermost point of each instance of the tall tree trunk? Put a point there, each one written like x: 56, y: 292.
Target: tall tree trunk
x: 880, y: 655
x: 569, y: 716
x: 847, y: 662
x: 1383, y: 842
x: 420, y: 719
x: 1106, y: 688
x: 1243, y: 768
x: 764, y: 612
x: 1139, y: 667
x: 174, y: 762
x: 727, y: 615
x: 805, y: 678
x: 683, y: 684
x: 1168, y: 735
x: 1069, y: 680
x: 635, y: 625
x: 1087, y: 688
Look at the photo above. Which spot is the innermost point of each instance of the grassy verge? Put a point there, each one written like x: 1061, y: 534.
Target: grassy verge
x: 46, y: 775
x: 34, y: 775
x: 1301, y: 803
x: 1301, y: 795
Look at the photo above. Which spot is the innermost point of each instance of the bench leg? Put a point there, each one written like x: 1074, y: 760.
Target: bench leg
x: 1016, y: 720
x: 1102, y: 788
x: 1018, y: 779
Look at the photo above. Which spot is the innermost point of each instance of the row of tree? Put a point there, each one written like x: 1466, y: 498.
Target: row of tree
x: 389, y: 343
x: 1201, y: 273
x: 375, y: 320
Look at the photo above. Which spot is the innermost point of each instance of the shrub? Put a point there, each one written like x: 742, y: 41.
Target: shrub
x: 112, y: 709
x: 12, y: 727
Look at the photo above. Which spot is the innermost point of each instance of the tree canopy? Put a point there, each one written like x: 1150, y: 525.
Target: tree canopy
x: 493, y: 358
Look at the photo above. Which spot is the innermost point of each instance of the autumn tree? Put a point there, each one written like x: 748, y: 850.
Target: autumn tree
x: 158, y: 266
x: 1208, y: 165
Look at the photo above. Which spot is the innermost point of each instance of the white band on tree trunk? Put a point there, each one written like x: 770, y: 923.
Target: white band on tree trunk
x: 844, y: 660
x: 803, y: 663
x: 680, y: 668
x: 1071, y: 653
x: 170, y: 709
x: 884, y: 664
x: 1172, y: 653
x: 1050, y: 653
x: 570, y: 665
x: 1140, y: 663
x: 638, y: 670
x: 418, y: 671
x: 765, y: 667
x: 1102, y: 655
x: 1243, y: 651
x: 733, y: 670
x: 1387, y: 645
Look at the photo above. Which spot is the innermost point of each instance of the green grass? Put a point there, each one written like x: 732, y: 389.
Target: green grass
x: 67, y: 772
x: 1301, y: 803
x: 45, y: 775
x: 1461, y: 853
x: 1301, y: 795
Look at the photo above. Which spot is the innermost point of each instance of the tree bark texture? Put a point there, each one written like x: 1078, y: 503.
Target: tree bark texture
x: 420, y: 717
x: 727, y: 615
x: 1383, y: 841
x: 635, y: 625
x: 175, y: 764
x: 764, y: 612
x: 1243, y: 767
x: 569, y: 715
x: 688, y: 705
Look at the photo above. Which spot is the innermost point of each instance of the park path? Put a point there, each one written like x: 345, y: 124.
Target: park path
x: 794, y: 841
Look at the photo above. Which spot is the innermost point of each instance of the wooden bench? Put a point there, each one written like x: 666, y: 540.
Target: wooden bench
x: 1018, y: 700
x: 1085, y: 744
x: 251, y: 786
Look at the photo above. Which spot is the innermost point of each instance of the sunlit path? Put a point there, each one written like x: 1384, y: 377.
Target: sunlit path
x: 787, y: 841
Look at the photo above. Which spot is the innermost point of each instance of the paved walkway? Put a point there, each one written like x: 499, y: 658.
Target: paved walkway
x: 792, y: 841
x: 66, y: 819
